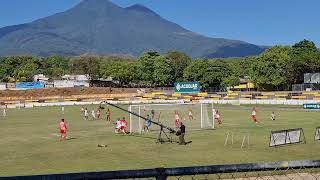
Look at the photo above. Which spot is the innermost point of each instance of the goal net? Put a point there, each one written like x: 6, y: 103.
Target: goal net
x: 166, y: 114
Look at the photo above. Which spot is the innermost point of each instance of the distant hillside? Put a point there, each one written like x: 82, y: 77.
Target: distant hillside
x: 103, y: 28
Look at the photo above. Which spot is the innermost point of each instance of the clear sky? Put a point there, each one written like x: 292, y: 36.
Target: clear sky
x: 262, y: 22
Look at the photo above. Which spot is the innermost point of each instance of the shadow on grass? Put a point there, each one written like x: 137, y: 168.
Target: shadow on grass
x: 71, y: 138
x: 142, y: 136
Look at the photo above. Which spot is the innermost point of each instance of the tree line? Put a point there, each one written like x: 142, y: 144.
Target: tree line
x: 276, y: 69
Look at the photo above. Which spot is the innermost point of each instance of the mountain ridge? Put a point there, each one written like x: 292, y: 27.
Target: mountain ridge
x: 103, y: 28
x: 141, y: 8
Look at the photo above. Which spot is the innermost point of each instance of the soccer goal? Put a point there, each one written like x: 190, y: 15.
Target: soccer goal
x: 166, y: 114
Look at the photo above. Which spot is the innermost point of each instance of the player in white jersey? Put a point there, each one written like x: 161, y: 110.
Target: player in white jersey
x: 118, y: 125
x: 273, y: 116
x: 4, y: 112
x: 86, y: 114
x: 93, y: 114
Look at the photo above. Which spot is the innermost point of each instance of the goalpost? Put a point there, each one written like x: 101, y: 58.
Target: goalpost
x: 165, y: 114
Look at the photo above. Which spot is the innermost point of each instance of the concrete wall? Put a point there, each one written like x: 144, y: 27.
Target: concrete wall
x: 236, y: 102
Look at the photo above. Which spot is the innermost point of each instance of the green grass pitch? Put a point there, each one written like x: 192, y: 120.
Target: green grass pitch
x: 30, y: 145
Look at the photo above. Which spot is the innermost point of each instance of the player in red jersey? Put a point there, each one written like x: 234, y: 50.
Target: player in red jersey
x: 123, y: 125
x: 99, y: 114
x: 177, y: 119
x: 217, y: 117
x: 254, y: 115
x: 63, y: 130
x: 190, y: 115
x: 108, y: 113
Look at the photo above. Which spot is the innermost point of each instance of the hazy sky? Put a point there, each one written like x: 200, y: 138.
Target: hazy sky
x: 263, y: 22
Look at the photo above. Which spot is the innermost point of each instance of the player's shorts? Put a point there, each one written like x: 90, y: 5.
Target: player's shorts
x: 178, y: 122
x: 122, y: 127
x: 148, y: 124
x: 62, y: 131
x: 254, y: 118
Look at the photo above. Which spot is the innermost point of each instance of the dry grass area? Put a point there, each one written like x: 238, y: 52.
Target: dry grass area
x: 54, y: 93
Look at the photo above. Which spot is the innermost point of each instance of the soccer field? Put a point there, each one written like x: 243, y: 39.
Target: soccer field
x: 30, y: 144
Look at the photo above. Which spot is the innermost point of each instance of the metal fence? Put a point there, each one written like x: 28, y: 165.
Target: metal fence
x: 305, y: 170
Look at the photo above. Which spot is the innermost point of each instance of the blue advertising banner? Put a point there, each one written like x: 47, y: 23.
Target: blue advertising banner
x: 311, y: 106
x: 29, y: 85
x: 187, y: 87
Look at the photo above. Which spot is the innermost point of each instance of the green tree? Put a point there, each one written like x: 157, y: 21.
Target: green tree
x: 305, y: 58
x: 179, y: 62
x: 236, y: 69
x: 230, y: 81
x: 269, y: 71
x: 89, y: 65
x: 55, y: 66
x: 146, y: 65
x: 304, y: 46
x: 124, y: 72
x: 27, y: 71
x: 208, y: 73
x: 19, y: 68
x: 163, y: 72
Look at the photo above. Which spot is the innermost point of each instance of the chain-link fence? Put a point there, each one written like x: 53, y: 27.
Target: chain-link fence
x: 287, y: 170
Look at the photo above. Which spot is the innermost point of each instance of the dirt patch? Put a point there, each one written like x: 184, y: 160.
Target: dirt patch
x: 54, y: 93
